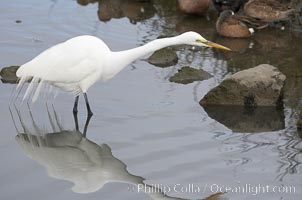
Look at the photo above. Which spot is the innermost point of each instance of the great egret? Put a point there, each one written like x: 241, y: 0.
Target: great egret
x: 75, y: 65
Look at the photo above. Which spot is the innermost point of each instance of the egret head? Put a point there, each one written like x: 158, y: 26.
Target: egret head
x: 195, y: 39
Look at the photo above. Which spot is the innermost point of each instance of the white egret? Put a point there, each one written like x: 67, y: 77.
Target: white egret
x: 75, y: 65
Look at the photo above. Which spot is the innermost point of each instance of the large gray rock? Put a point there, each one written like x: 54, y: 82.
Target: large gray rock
x: 258, y: 86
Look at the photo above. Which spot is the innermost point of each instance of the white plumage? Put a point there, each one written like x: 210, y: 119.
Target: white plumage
x: 70, y: 65
x: 75, y: 65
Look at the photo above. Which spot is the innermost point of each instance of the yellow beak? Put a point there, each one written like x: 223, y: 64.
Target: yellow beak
x: 214, y: 45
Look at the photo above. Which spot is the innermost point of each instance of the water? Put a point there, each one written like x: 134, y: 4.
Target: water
x: 155, y: 129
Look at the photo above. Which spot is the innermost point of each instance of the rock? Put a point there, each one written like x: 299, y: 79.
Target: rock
x: 248, y: 120
x: 8, y: 74
x: 258, y: 86
x: 188, y: 75
x: 163, y: 58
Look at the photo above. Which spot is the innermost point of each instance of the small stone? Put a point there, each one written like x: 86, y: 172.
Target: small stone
x: 163, y: 58
x: 188, y: 75
x: 8, y: 74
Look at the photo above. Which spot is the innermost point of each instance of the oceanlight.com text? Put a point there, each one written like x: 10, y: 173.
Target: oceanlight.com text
x: 252, y: 189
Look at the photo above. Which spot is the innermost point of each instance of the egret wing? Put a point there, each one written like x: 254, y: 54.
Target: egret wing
x: 66, y: 64
x: 61, y: 63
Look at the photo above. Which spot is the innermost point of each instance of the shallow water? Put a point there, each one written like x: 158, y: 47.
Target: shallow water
x: 155, y: 129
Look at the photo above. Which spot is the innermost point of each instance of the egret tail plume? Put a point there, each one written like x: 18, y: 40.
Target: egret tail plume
x: 50, y: 91
x: 36, y: 95
x: 30, y: 87
x: 21, y: 82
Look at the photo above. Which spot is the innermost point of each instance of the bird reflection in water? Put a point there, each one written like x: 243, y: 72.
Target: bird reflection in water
x: 69, y: 155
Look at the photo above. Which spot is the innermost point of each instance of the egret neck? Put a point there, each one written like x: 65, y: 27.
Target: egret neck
x: 124, y: 58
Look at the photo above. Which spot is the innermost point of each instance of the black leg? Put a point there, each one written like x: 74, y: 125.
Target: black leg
x: 86, y: 125
x: 75, y: 107
x: 87, y: 105
x: 76, y: 122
